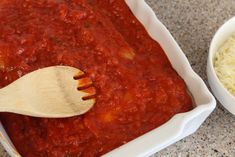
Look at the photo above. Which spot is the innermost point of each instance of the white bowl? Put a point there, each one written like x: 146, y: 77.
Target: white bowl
x: 181, y: 125
x: 221, y: 93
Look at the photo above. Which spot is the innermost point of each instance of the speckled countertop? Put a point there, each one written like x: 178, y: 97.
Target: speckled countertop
x: 193, y: 24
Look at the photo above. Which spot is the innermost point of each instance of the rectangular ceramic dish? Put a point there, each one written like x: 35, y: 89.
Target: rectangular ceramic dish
x: 181, y: 125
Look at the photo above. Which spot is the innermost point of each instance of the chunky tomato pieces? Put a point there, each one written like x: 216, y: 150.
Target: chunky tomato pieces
x: 138, y: 90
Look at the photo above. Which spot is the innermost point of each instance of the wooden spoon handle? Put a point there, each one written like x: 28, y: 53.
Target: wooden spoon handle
x: 10, y: 100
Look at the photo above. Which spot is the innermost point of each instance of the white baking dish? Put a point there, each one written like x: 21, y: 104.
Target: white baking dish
x: 181, y: 125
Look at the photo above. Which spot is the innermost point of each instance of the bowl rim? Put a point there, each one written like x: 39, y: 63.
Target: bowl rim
x: 211, y: 55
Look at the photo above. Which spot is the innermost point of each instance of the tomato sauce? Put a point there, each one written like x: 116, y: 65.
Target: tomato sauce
x: 137, y: 88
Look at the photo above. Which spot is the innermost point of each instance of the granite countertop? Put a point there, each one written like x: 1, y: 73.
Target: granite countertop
x: 193, y: 24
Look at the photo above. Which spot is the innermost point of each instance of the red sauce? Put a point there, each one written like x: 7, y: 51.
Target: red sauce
x: 138, y: 90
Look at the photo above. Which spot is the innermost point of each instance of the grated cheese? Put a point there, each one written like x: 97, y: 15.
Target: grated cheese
x: 224, y: 64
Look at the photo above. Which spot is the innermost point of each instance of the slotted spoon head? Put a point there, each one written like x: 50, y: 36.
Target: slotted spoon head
x: 58, y: 91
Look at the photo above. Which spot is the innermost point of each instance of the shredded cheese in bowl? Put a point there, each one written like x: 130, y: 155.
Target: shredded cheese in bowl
x: 224, y: 64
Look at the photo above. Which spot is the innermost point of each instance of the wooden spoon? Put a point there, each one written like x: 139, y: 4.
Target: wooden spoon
x: 54, y: 92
